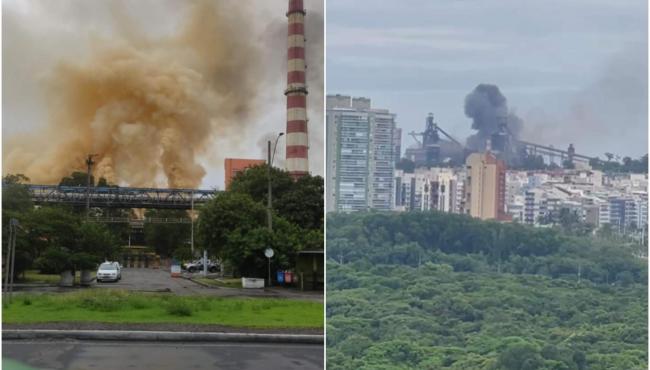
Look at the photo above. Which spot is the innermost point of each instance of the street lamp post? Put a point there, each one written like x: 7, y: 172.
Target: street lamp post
x: 268, y: 171
x: 10, y: 262
x: 89, y: 163
x: 269, y: 198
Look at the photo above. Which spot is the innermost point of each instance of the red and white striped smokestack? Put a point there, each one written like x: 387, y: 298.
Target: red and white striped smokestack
x: 297, y: 162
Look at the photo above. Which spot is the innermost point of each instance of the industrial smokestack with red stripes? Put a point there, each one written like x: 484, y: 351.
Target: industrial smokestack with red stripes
x: 297, y: 162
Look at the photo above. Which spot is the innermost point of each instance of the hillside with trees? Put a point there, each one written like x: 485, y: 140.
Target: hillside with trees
x: 442, y: 291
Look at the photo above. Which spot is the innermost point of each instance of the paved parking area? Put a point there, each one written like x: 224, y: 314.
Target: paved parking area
x: 160, y: 280
x: 152, y: 280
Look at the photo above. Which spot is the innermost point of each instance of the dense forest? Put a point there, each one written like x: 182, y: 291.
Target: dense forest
x: 442, y: 291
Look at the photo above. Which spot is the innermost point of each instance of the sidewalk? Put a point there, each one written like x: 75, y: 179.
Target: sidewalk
x: 268, y: 292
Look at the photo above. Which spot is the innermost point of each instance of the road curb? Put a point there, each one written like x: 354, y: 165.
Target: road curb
x: 200, y: 283
x: 166, y: 336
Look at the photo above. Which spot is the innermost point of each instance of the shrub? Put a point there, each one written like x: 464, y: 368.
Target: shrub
x: 139, y: 303
x: 179, y: 308
x: 103, y: 304
x: 104, y: 301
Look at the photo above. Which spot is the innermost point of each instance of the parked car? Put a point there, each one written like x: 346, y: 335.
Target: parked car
x: 109, y: 271
x: 197, y: 266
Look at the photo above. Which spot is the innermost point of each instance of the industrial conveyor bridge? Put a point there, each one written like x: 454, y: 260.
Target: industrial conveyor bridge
x: 120, y: 197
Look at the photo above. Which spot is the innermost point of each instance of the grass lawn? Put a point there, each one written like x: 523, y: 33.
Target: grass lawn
x: 118, y: 306
x: 227, y: 283
x: 10, y: 364
x: 35, y: 277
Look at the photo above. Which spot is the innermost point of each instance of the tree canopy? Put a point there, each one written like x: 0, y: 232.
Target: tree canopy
x: 626, y: 165
x: 52, y: 237
x: 300, y: 202
x: 166, y: 238
x: 233, y: 225
x: 426, y: 290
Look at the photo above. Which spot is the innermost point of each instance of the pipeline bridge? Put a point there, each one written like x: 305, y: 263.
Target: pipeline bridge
x: 139, y: 222
x: 120, y: 197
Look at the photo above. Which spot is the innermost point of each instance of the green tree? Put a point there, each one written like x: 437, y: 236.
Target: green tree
x: 15, y: 195
x: 300, y: 202
x: 520, y: 356
x: 580, y: 360
x: 103, y: 183
x: 17, y: 203
x: 96, y: 241
x: 77, y: 178
x: 166, y: 238
x: 254, y: 182
x: 233, y: 227
x: 60, y: 232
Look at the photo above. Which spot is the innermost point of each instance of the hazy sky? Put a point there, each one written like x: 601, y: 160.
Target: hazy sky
x: 575, y: 71
x: 39, y: 34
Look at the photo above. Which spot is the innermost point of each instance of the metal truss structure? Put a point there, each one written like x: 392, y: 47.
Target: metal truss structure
x: 120, y: 197
x: 140, y: 222
x: 554, y: 152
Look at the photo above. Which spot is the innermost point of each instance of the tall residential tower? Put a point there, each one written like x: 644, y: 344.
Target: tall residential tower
x: 360, y: 155
x: 485, y: 186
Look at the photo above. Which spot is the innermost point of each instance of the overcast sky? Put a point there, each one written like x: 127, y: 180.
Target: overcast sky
x: 39, y: 34
x: 575, y: 71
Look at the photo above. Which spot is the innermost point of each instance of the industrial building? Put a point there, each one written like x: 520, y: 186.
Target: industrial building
x: 360, y: 155
x: 432, y: 150
x: 233, y: 166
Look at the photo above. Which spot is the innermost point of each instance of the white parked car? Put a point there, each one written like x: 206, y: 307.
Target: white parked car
x: 109, y: 271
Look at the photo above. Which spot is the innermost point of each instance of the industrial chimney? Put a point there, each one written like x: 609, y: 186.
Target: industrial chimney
x: 297, y: 139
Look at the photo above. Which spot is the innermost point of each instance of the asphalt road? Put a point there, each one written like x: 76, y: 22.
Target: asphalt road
x: 90, y: 355
x: 160, y: 280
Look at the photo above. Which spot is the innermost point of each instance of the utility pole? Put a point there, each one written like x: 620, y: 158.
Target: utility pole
x: 8, y: 262
x: 268, y: 173
x: 89, y: 163
x: 269, y: 252
x: 268, y: 199
x: 13, y: 223
x: 192, y: 227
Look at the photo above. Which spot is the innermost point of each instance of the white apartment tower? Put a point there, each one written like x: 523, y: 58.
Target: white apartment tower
x: 360, y: 155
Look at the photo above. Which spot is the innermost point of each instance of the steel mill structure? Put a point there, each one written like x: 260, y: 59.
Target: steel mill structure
x: 297, y: 162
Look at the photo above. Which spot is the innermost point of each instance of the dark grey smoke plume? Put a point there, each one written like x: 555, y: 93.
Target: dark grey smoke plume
x: 488, y: 109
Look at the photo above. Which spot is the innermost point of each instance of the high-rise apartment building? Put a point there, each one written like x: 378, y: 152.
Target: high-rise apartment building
x: 427, y: 189
x: 360, y: 155
x: 397, y: 145
x: 485, y: 187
